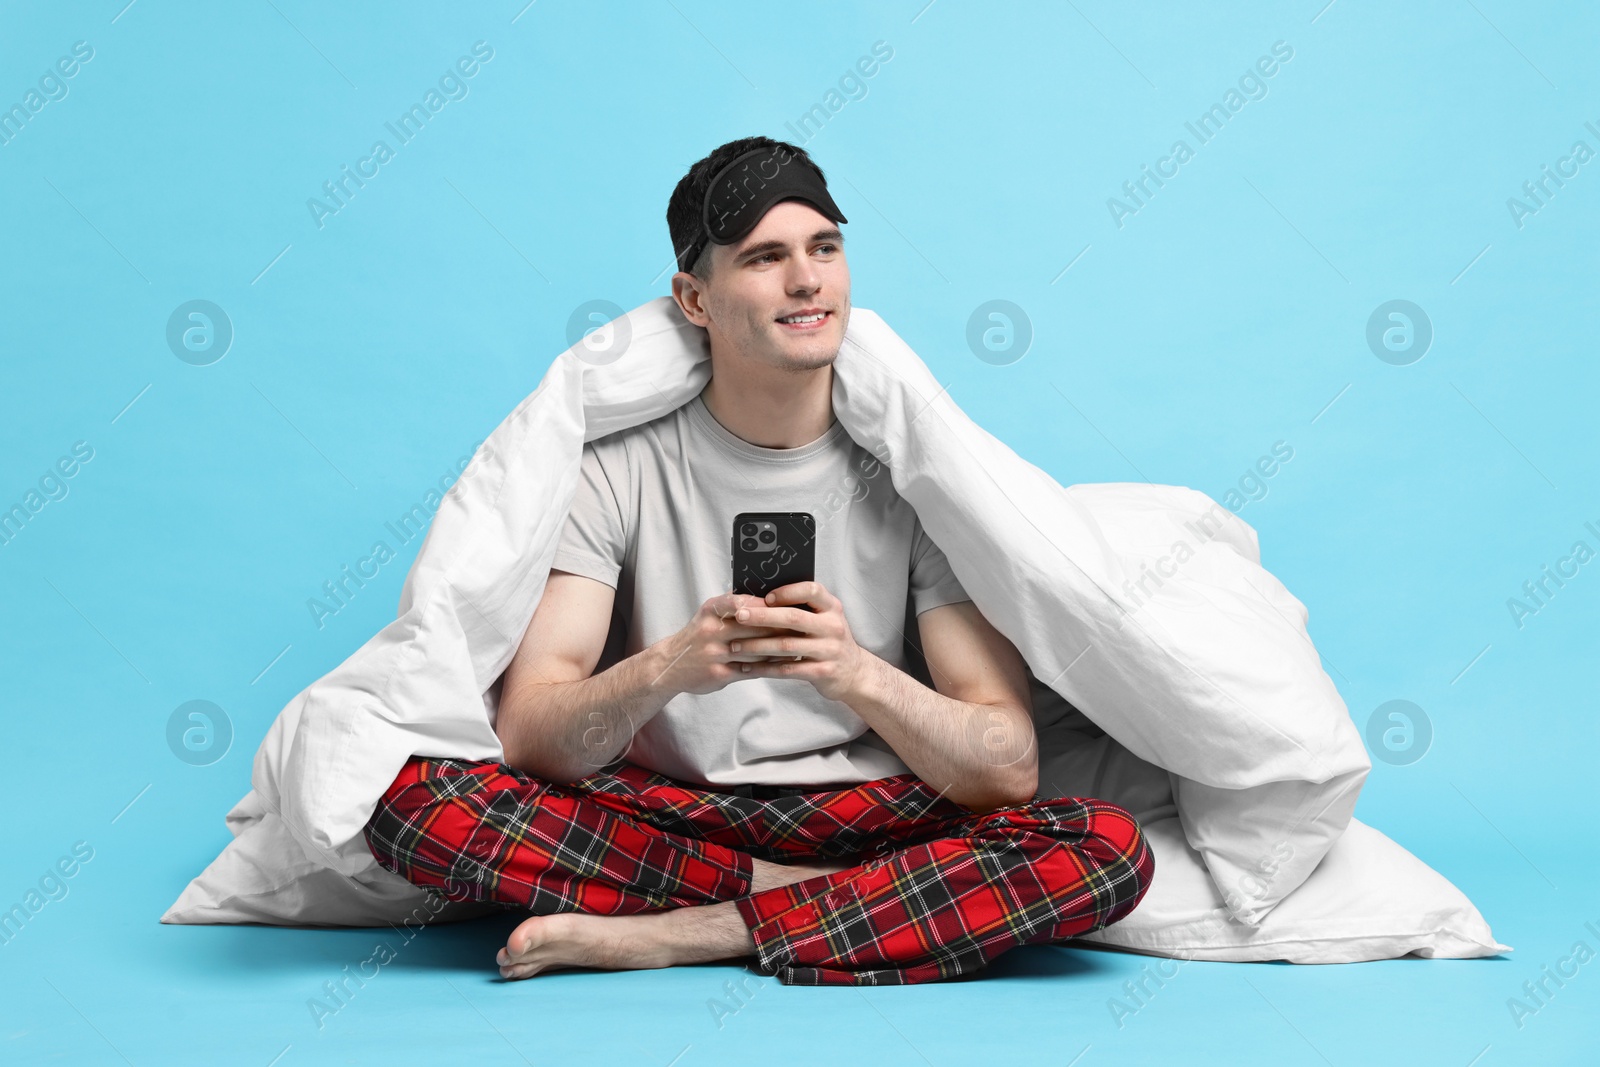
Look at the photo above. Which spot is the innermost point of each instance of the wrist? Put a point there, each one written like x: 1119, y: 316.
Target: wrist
x: 864, y: 690
x: 651, y: 667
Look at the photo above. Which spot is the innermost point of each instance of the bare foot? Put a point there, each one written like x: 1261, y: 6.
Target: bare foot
x: 639, y: 942
x: 625, y: 942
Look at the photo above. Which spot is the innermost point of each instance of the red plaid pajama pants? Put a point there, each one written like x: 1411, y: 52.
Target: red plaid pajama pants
x: 939, y: 891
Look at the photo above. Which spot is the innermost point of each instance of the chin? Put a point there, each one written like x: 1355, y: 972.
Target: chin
x: 816, y: 352
x: 803, y: 364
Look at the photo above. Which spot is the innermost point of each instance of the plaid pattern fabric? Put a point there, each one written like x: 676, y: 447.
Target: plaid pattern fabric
x: 939, y: 891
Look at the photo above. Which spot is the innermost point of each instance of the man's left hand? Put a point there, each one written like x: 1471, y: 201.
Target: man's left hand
x: 822, y: 650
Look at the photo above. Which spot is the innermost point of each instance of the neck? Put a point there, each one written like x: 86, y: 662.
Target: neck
x: 783, y: 409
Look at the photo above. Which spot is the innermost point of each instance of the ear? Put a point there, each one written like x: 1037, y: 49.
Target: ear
x: 689, y: 295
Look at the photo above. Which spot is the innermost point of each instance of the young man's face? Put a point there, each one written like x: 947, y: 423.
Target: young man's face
x: 791, y: 263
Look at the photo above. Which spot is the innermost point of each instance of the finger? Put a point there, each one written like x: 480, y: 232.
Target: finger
x: 787, y: 666
x: 779, y: 618
x: 732, y: 626
x: 803, y: 594
x: 727, y: 604
x: 766, y: 648
x: 732, y: 629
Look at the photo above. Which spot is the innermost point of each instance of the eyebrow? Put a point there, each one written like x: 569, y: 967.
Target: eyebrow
x: 832, y: 234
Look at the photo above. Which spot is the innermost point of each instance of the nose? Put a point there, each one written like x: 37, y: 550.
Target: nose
x: 804, y: 278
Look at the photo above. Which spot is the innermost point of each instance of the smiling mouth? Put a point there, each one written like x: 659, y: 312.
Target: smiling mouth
x: 801, y: 323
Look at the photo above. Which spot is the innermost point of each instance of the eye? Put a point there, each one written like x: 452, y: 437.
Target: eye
x: 765, y: 255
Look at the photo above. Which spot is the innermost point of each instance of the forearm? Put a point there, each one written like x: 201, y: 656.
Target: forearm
x: 982, y: 756
x: 562, y: 731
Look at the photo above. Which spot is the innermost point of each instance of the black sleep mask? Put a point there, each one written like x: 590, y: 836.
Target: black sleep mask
x: 745, y: 190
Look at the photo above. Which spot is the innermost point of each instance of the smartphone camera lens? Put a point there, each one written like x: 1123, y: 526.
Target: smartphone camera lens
x: 767, y: 537
x: 749, y: 544
x: 748, y: 529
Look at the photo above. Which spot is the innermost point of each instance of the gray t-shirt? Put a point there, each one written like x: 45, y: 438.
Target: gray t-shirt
x: 653, y: 518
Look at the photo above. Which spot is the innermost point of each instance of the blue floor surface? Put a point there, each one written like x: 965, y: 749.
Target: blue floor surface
x: 94, y: 978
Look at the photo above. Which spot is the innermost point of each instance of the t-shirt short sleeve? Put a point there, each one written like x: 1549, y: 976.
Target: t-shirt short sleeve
x: 594, y: 540
x: 933, y: 583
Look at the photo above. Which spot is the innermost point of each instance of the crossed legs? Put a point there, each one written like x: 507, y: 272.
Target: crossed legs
x: 883, y: 882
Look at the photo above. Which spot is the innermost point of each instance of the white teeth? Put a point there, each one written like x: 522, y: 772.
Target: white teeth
x: 803, y: 318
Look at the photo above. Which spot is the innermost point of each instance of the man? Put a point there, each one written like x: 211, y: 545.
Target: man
x: 766, y: 778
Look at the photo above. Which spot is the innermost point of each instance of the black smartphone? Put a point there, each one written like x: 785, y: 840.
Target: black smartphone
x: 773, y: 549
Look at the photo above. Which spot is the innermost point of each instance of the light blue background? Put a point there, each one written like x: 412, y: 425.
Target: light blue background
x: 370, y: 354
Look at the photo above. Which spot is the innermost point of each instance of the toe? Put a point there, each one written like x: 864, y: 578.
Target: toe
x: 521, y: 942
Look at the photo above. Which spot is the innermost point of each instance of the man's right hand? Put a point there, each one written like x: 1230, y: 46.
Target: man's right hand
x: 697, y: 659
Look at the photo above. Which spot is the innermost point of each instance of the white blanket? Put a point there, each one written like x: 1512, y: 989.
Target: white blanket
x: 1206, y: 671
